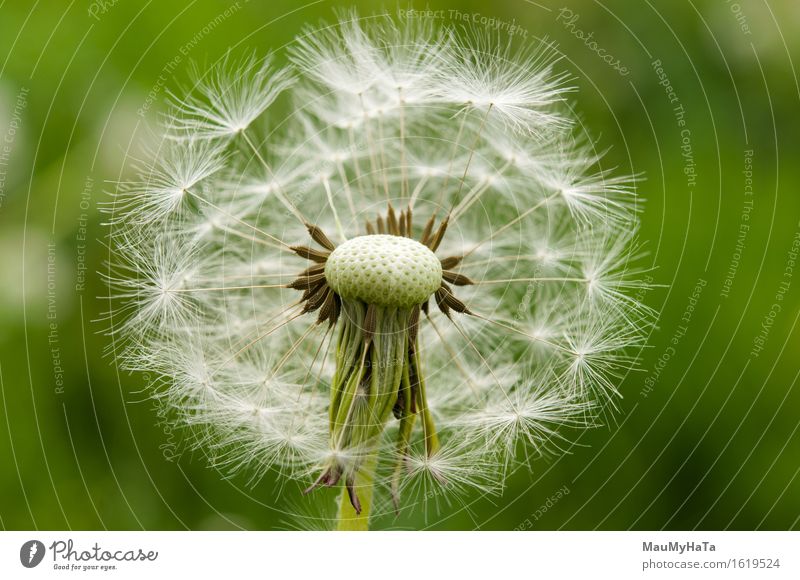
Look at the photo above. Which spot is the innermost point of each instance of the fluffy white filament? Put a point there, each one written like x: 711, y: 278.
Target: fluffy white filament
x: 380, y: 112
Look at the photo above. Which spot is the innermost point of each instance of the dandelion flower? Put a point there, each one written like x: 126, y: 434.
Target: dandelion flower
x: 415, y: 285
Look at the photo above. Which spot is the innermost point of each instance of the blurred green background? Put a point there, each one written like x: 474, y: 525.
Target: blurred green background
x: 707, y: 433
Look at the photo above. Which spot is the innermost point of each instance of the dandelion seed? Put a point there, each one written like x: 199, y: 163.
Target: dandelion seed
x: 228, y: 98
x: 166, y: 182
x: 422, y: 282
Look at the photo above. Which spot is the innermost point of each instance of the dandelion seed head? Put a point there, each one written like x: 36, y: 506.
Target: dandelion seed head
x: 425, y: 272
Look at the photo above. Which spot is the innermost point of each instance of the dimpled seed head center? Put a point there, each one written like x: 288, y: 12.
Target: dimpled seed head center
x: 384, y: 270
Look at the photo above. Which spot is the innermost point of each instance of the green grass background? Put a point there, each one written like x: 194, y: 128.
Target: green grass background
x: 714, y: 445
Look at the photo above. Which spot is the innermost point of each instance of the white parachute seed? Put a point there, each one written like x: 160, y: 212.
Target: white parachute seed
x: 384, y: 270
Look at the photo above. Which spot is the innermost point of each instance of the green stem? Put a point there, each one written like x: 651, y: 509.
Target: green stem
x: 349, y: 520
x: 428, y: 426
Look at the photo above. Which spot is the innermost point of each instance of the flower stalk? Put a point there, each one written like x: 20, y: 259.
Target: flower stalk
x: 348, y: 519
x: 377, y: 373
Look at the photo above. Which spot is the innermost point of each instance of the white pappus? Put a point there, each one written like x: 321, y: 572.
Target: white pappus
x: 420, y: 279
